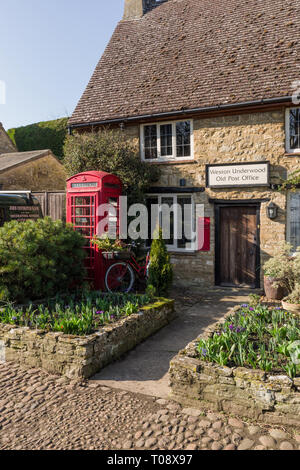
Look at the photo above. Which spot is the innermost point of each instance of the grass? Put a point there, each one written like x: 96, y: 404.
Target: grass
x: 80, y: 314
x: 256, y: 337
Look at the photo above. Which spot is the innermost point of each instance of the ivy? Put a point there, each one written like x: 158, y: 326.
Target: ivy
x: 40, y: 136
x: 292, y: 183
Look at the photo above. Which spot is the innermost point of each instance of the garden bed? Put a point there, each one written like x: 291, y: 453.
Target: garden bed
x: 243, y: 365
x: 80, y: 338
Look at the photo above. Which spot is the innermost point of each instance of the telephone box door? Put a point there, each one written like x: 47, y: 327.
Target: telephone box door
x: 83, y: 217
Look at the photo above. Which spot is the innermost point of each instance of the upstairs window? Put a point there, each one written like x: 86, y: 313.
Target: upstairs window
x: 167, y: 141
x: 293, y: 130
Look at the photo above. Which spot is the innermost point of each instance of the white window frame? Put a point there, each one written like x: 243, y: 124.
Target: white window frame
x: 174, y: 247
x: 287, y: 131
x: 173, y: 157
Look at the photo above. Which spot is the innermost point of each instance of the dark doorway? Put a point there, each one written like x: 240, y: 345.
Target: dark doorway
x: 237, y: 245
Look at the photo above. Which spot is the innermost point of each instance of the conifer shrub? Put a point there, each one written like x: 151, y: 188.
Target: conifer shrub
x: 160, y: 269
x: 39, y: 259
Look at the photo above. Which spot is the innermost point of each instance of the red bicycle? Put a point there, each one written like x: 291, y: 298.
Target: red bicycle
x: 121, y: 276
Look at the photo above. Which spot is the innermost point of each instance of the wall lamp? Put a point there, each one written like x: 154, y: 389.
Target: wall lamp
x: 272, y: 211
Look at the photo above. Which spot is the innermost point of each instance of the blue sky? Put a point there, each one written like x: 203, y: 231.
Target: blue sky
x: 48, y: 51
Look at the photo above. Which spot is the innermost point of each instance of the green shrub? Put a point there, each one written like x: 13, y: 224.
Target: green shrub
x: 160, y: 270
x: 40, y: 136
x: 39, y: 259
x: 109, y: 150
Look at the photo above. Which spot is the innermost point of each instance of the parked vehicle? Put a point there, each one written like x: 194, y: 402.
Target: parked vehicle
x: 18, y: 205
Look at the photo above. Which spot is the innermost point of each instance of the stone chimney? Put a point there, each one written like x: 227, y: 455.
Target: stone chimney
x: 135, y: 9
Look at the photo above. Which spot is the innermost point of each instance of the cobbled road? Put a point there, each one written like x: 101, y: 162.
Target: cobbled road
x: 42, y: 411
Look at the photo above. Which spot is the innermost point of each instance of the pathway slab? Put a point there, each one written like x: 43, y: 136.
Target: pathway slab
x: 145, y: 369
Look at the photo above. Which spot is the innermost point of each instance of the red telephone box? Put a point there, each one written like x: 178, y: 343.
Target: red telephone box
x: 86, y: 192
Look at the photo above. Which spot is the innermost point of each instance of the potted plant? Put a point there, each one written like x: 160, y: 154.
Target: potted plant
x: 279, y: 276
x: 292, y: 301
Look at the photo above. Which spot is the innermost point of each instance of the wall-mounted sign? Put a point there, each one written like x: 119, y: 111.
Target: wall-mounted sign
x: 230, y: 175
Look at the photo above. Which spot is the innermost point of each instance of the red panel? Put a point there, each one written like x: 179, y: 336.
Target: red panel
x: 204, y: 234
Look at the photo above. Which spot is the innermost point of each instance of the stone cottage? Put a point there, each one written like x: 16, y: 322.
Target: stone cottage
x: 6, y: 145
x: 37, y: 170
x: 209, y: 92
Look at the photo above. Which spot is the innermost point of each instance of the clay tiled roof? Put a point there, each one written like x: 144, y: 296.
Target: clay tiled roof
x: 187, y: 54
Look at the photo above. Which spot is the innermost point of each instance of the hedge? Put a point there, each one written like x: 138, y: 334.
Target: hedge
x: 42, y: 135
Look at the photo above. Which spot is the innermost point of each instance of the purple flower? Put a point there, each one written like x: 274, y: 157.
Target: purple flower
x: 251, y: 309
x: 100, y: 312
x: 231, y: 327
x: 278, y: 308
x: 14, y: 318
x: 218, y: 333
x: 244, y: 305
x: 243, y: 329
x: 238, y: 330
x: 204, y: 352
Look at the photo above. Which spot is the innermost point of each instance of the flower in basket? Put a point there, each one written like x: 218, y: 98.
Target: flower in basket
x: 106, y: 244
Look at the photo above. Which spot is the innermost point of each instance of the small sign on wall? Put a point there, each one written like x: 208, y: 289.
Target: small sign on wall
x: 230, y: 175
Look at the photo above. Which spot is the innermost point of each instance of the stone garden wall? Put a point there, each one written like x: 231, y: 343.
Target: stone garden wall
x: 246, y: 393
x: 80, y: 357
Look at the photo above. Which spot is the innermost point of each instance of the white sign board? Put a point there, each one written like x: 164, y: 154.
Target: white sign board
x: 240, y: 174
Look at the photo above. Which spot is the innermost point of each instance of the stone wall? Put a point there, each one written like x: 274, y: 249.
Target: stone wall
x: 250, y: 137
x: 80, y: 357
x: 243, y: 392
x: 43, y: 174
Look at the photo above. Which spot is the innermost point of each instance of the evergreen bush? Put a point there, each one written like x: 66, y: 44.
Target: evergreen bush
x: 39, y: 259
x: 40, y: 136
x: 109, y: 150
x: 160, y: 269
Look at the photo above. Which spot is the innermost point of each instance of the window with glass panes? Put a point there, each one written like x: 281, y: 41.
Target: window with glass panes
x: 175, y: 214
x: 294, y: 219
x: 293, y: 129
x: 167, y: 141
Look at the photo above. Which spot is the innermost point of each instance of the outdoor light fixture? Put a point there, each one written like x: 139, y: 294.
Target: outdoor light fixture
x: 272, y: 210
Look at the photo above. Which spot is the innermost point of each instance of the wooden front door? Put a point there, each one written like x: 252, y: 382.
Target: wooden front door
x: 238, y: 246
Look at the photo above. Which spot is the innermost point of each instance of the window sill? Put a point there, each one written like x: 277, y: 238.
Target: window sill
x: 293, y: 154
x: 171, y: 162
x: 182, y: 252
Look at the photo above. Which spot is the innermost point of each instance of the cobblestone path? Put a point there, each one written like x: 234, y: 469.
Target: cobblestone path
x: 42, y: 411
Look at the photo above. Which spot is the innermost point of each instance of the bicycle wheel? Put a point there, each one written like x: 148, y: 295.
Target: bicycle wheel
x: 119, y: 278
